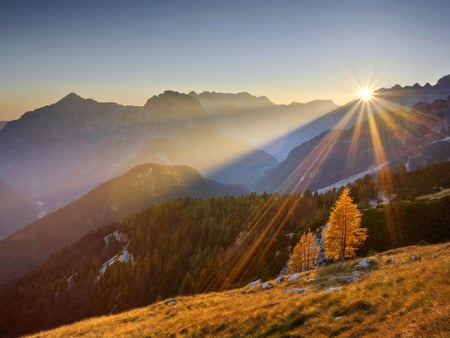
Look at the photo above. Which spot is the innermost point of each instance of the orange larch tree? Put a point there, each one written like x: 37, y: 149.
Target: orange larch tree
x: 304, y: 256
x: 344, y: 234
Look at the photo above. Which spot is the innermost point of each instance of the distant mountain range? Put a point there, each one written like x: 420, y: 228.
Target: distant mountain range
x: 55, y: 154
x: 409, y: 95
x: 139, y: 188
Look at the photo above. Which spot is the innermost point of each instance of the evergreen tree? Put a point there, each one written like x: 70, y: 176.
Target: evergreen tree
x: 188, y: 286
x: 304, y: 256
x: 344, y: 234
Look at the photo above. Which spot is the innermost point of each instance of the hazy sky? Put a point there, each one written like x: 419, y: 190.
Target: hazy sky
x: 127, y: 51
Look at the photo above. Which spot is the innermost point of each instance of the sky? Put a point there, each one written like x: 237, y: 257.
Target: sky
x: 128, y: 51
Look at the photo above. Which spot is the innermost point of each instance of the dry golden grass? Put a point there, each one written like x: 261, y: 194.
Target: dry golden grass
x: 409, y: 298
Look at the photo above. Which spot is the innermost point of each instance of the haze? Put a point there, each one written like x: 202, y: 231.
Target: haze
x: 288, y: 50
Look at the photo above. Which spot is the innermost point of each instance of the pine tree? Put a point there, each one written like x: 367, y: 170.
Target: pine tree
x: 304, y: 256
x: 188, y: 285
x: 344, y: 234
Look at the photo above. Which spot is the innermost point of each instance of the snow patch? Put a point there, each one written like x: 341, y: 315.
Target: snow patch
x: 445, y: 139
x: 118, y: 236
x: 40, y: 208
x: 124, y: 256
x: 69, y: 281
x: 40, y: 204
x: 370, y: 171
x: 290, y: 235
x: 42, y: 214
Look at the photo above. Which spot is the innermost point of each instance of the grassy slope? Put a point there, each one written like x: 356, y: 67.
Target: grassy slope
x: 410, y: 298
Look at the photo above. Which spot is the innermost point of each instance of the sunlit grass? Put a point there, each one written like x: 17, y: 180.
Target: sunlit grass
x: 409, y: 298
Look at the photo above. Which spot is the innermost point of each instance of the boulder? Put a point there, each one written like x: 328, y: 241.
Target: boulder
x: 294, y: 277
x: 334, y: 288
x: 390, y: 261
x: 254, y: 283
x: 295, y: 290
x: 366, y: 263
x: 280, y: 279
x: 170, y: 302
x: 355, y: 274
x: 266, y: 286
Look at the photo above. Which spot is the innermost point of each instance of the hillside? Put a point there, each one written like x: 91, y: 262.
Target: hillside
x: 122, y: 196
x: 406, y: 293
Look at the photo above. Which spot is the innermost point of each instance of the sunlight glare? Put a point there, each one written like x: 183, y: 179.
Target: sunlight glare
x: 365, y: 94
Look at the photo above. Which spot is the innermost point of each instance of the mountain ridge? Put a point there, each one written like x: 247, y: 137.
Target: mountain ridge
x: 111, y: 201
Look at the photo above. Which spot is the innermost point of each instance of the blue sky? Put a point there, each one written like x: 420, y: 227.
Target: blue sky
x: 127, y: 51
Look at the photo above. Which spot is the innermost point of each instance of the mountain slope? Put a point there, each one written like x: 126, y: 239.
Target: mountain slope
x: 139, y: 188
x: 394, y: 137
x: 216, y: 155
x: 406, y: 294
x: 259, y: 121
x: 15, y: 211
x: 45, y: 151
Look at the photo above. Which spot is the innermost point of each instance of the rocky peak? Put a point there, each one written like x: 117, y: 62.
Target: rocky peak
x: 174, y: 104
x: 444, y: 81
x: 71, y: 98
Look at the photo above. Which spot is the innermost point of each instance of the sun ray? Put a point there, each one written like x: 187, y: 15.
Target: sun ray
x: 302, y: 175
x: 356, y: 137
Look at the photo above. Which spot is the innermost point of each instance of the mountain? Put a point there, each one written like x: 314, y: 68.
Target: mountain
x: 391, y: 137
x: 221, y: 157
x: 257, y: 120
x: 111, y: 201
x: 44, y: 152
x: 15, y: 211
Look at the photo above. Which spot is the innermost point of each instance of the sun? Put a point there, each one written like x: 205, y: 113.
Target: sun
x: 365, y: 94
